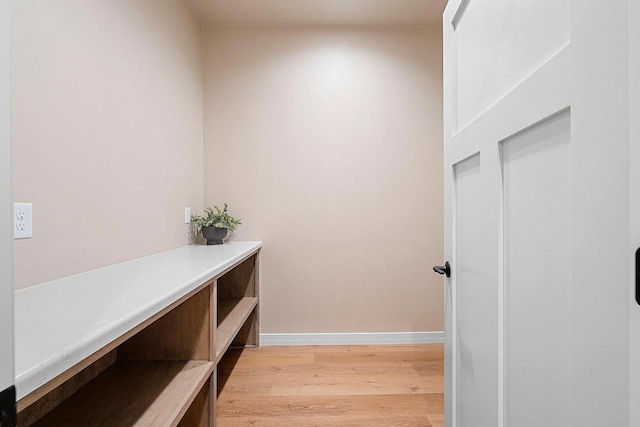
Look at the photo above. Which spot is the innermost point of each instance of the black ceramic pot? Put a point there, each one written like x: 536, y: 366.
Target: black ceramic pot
x: 214, y: 235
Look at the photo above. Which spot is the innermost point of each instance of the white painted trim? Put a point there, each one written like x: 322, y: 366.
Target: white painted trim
x: 358, y: 338
x: 6, y: 204
x: 502, y: 312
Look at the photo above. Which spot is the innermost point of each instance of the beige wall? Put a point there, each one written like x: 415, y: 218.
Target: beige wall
x: 107, y: 126
x: 327, y: 143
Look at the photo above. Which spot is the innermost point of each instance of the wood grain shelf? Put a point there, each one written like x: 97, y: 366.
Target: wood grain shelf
x: 232, y: 314
x: 134, y: 394
x: 151, y: 359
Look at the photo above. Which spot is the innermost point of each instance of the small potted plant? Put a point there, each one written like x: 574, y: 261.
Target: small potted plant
x: 215, y: 223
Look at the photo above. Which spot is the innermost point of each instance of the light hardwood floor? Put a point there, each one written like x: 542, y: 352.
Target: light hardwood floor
x: 342, y: 386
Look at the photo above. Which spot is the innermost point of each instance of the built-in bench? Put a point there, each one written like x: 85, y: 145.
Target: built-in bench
x: 135, y: 343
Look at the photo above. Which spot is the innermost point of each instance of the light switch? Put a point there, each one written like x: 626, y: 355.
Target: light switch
x: 187, y: 215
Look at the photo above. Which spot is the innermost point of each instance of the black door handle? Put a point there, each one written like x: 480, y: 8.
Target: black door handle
x: 443, y: 269
x: 638, y: 276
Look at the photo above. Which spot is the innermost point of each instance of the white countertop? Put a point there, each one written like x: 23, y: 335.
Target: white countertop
x: 60, y: 323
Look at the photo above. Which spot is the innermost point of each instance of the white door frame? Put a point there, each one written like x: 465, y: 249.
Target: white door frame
x: 6, y: 213
x: 634, y: 204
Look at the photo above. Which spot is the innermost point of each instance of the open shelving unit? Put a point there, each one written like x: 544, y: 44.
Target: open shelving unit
x: 163, y: 370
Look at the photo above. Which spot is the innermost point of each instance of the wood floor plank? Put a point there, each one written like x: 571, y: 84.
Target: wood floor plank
x: 373, y: 357
x: 329, y: 380
x: 437, y: 420
x: 263, y: 357
x: 415, y: 405
x: 347, y: 421
x: 278, y: 406
x: 346, y: 386
x: 384, y: 411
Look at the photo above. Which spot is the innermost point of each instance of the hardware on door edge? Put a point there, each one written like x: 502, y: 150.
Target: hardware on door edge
x: 638, y: 276
x: 444, y: 269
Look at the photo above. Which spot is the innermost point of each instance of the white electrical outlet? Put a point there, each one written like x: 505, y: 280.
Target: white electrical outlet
x: 187, y: 215
x: 22, y: 220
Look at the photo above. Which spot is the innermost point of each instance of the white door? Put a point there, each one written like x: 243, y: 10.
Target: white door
x: 6, y: 224
x: 634, y: 169
x: 537, y: 213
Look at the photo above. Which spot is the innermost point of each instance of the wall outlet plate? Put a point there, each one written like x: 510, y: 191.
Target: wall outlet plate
x: 187, y: 215
x: 22, y: 220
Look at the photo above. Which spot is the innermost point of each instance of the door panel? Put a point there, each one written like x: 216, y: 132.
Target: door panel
x: 537, y: 283
x: 539, y: 90
x: 634, y: 179
x: 498, y: 44
x: 475, y: 290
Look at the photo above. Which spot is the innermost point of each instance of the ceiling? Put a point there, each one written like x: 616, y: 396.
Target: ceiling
x: 319, y: 12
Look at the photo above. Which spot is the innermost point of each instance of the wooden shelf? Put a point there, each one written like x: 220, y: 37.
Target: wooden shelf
x: 232, y: 314
x: 134, y: 394
x: 149, y: 364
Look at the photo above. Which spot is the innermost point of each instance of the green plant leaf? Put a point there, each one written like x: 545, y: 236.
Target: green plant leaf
x: 216, y: 217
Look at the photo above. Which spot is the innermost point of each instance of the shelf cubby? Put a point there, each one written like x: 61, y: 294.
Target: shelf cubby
x: 234, y: 312
x: 134, y: 394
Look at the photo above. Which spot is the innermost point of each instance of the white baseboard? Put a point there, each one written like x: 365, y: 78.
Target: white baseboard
x: 353, y: 338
